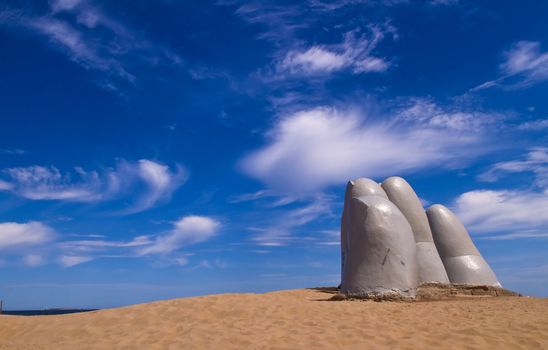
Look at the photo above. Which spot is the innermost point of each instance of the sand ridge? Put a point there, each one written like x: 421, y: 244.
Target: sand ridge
x: 293, y: 319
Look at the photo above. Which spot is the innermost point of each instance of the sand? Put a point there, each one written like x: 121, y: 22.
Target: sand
x: 295, y: 319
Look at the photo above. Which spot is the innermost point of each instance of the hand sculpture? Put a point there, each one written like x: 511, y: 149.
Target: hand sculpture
x: 390, y: 245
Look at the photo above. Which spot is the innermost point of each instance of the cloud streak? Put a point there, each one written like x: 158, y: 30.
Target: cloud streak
x: 157, y: 182
x: 92, y: 39
x: 524, y: 65
x: 281, y: 233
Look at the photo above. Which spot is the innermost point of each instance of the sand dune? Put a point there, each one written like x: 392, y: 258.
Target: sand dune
x: 295, y: 319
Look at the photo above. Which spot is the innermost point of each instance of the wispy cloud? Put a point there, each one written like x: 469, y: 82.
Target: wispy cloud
x: 16, y: 235
x: 157, y: 181
x: 535, y: 161
x: 188, y: 230
x: 163, y: 248
x: 524, y: 234
x: 88, y: 246
x: 526, y: 58
x: 323, y: 5
x: 67, y: 38
x: 524, y: 65
x: 4, y: 186
x: 283, y: 24
x: 47, y: 183
x: 281, y: 231
x: 354, y: 54
x: 217, y: 263
x: 279, y: 22
x: 426, y: 111
x: 311, y: 149
x: 534, y: 125
x: 91, y: 38
x: 33, y: 260
x: 13, y: 151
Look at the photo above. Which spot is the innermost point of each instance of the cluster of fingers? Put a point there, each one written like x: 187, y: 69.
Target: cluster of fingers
x: 390, y: 244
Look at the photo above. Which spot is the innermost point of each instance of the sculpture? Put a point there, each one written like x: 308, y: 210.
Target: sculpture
x: 389, y: 245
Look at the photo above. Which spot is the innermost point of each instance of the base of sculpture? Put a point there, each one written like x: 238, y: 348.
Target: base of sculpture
x: 432, y: 292
x: 387, y: 294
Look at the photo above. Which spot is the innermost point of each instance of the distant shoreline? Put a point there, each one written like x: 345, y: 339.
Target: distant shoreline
x: 44, y: 312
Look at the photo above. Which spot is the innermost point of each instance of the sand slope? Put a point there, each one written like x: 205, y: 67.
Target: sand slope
x: 297, y: 319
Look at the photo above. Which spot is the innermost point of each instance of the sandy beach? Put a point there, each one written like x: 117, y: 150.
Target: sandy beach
x: 294, y: 319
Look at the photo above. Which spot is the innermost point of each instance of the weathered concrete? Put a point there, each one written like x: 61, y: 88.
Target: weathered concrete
x: 381, y: 251
x: 432, y: 292
x: 462, y: 260
x: 354, y: 189
x: 399, y: 192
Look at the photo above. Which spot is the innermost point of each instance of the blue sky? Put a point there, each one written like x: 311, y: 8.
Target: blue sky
x: 158, y: 149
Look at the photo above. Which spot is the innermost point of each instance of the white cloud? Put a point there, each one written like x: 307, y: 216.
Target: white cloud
x: 188, y: 230
x: 73, y: 260
x: 371, y: 64
x: 315, y: 59
x: 510, y: 214
x: 15, y: 235
x: 535, y: 161
x: 156, y: 180
x: 354, y: 53
x: 524, y: 65
x: 314, y: 148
